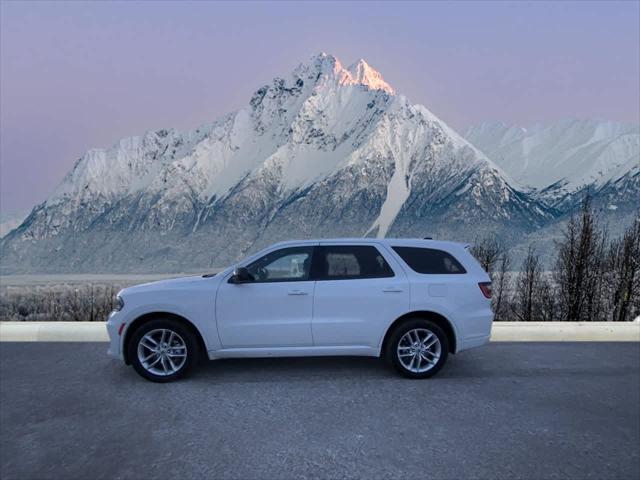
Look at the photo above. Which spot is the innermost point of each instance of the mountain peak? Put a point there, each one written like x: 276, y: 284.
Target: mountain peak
x: 359, y: 73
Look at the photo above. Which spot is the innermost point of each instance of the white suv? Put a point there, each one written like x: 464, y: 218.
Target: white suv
x: 411, y: 301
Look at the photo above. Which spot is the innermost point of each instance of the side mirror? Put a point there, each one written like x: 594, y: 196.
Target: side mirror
x: 241, y: 275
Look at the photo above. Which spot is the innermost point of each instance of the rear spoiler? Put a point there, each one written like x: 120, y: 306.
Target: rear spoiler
x: 461, y: 244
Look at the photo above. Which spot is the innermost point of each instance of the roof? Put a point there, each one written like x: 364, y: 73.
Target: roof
x: 417, y: 242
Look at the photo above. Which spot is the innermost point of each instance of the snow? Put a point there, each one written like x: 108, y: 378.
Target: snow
x: 319, y: 119
x: 397, y: 193
x: 319, y: 99
x: 306, y: 126
x: 575, y: 153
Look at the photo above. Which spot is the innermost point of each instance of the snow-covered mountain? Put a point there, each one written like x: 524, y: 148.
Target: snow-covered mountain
x: 325, y: 151
x: 9, y: 221
x: 564, y: 160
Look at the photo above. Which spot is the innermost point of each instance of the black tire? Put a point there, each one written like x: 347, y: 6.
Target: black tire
x: 391, y: 349
x: 185, y: 336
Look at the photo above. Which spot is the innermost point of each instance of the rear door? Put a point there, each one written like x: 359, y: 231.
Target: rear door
x: 360, y: 289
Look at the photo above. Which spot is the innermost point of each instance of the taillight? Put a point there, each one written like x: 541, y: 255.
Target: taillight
x: 486, y: 288
x: 121, y: 328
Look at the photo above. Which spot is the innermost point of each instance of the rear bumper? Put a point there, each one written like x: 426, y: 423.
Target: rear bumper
x: 475, y: 342
x: 476, y: 329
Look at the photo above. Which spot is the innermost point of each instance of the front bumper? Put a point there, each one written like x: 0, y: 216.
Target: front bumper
x: 115, y: 340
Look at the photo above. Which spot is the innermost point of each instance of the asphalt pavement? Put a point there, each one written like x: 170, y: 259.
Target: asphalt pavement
x: 508, y: 410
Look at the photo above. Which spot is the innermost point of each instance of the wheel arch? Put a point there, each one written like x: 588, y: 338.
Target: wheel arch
x: 142, y: 319
x: 437, y: 318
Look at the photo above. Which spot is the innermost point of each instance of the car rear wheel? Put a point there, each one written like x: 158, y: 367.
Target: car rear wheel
x: 417, y: 348
x: 163, y: 350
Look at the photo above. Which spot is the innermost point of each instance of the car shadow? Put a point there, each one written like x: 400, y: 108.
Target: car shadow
x: 481, y: 365
x: 296, y: 369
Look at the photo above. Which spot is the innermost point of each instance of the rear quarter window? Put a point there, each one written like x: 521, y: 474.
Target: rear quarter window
x: 429, y: 260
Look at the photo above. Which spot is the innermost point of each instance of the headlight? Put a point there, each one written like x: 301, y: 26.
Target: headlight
x: 118, y: 303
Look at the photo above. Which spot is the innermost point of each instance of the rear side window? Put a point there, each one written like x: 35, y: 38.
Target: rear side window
x: 429, y: 260
x: 347, y: 262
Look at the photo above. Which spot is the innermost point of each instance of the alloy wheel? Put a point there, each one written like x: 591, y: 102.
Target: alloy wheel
x: 419, y: 350
x: 162, y: 352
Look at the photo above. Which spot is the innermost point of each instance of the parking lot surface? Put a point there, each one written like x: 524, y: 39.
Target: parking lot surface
x: 509, y: 410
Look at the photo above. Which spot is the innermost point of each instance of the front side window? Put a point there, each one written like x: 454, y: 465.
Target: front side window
x: 287, y: 264
x: 429, y: 260
x: 344, y: 262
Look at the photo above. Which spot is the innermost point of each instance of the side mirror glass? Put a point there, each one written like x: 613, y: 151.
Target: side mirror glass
x: 241, y: 275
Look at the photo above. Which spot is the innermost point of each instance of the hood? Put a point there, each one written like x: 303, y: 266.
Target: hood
x: 170, y: 284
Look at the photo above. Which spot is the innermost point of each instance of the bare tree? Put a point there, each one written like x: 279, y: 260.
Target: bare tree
x: 548, y: 304
x: 526, y: 302
x: 487, y: 251
x: 623, y: 275
x: 577, y: 265
x: 500, y: 287
x: 595, y: 281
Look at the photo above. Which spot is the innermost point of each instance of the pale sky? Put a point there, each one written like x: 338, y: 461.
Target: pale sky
x: 74, y: 76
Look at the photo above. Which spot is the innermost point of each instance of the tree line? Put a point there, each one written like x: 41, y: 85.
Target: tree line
x: 89, y: 303
x: 593, y: 278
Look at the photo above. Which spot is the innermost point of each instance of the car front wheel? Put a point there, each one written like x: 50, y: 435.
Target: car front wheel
x: 162, y: 350
x: 417, y: 348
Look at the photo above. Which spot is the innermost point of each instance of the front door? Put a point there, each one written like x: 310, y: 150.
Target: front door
x: 274, y: 308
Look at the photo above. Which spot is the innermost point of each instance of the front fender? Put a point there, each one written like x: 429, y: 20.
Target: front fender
x: 200, y: 315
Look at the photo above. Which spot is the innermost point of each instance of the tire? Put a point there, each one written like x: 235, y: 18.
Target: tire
x: 164, y: 360
x: 419, y: 359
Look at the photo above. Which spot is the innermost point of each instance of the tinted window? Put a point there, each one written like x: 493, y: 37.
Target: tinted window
x: 287, y: 264
x: 343, y: 262
x: 429, y: 260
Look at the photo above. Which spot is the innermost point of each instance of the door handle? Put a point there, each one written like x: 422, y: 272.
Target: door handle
x: 392, y: 290
x: 297, y: 292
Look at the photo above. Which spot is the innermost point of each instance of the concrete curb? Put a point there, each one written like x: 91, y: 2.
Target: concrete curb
x: 53, y: 332
x: 501, y: 332
x: 565, y: 332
